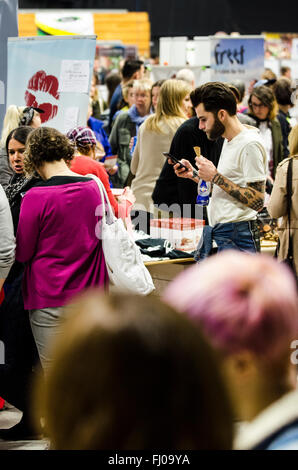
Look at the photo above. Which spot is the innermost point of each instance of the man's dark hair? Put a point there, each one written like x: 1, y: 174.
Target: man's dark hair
x: 283, y: 91
x: 214, y: 96
x: 130, y: 67
x: 235, y: 91
x: 240, y: 85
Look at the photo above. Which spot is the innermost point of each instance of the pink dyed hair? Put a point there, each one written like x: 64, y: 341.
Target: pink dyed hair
x: 242, y: 302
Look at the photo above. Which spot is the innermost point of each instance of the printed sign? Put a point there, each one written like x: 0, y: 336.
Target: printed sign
x: 239, y: 58
x: 8, y: 28
x: 74, y: 76
x: 41, y: 83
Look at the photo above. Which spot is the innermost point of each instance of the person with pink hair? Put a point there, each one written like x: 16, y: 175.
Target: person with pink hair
x: 247, y: 307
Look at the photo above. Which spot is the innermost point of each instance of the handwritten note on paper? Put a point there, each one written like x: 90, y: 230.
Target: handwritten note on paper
x: 74, y: 76
x: 70, y: 118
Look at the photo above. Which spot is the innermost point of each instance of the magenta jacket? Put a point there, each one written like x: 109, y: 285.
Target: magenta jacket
x: 56, y: 240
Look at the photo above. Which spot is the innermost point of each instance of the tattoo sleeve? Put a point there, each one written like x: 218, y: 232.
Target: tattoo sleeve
x: 251, y: 196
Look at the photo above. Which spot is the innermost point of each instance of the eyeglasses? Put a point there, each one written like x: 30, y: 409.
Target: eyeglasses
x: 255, y: 105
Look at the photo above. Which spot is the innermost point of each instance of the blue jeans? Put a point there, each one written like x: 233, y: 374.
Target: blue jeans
x: 243, y: 236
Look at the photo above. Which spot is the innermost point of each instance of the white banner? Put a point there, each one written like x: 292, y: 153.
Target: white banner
x: 52, y: 73
x: 239, y: 58
x: 8, y: 28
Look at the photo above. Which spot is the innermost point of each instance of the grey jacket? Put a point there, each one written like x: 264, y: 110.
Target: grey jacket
x: 7, y: 239
x: 5, y: 171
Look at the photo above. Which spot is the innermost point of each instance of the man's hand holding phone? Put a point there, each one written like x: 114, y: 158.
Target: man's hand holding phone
x: 182, y: 167
x: 185, y: 171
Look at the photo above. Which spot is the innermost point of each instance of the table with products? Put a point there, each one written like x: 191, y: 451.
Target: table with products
x: 165, y: 271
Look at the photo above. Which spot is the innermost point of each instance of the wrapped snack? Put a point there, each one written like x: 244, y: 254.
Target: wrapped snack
x: 197, y: 151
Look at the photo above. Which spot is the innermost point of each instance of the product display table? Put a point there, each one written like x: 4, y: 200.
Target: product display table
x: 163, y: 272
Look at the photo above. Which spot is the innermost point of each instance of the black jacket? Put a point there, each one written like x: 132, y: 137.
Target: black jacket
x: 169, y: 188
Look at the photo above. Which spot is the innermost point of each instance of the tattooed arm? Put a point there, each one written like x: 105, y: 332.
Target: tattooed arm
x: 251, y: 196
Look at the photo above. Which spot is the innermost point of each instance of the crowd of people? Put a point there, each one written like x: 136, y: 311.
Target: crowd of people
x: 177, y: 372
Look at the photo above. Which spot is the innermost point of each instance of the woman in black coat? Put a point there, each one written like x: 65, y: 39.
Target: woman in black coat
x: 21, y: 357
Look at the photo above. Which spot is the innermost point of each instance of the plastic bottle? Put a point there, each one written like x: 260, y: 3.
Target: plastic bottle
x: 204, y: 188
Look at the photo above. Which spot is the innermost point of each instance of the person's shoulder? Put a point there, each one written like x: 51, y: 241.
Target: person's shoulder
x: 83, y: 159
x: 86, y: 163
x: 189, y: 125
x: 81, y: 162
x: 283, y: 165
x: 122, y: 117
x: 117, y: 92
x: 250, y: 135
x: 275, y: 123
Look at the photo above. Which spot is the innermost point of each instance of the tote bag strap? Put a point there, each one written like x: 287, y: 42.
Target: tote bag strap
x: 104, y: 198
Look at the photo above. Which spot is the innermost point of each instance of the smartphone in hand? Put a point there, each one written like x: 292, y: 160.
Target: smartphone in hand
x: 175, y: 160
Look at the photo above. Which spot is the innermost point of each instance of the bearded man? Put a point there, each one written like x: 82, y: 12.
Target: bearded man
x: 239, y: 179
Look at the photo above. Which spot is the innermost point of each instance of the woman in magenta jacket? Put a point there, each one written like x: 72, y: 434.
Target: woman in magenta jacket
x: 56, y: 235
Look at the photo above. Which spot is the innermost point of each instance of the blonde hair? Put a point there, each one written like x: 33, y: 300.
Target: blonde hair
x: 293, y: 141
x: 169, y: 110
x: 144, y: 84
x: 11, y: 121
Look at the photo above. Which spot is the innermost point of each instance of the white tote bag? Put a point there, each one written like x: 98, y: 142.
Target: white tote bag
x: 124, y: 263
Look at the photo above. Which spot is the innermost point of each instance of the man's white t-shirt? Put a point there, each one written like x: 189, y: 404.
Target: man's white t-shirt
x: 243, y: 160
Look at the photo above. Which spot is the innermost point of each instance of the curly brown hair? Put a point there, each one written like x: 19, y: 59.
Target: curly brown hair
x: 46, y: 144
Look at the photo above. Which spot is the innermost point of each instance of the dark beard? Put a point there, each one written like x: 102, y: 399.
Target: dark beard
x: 217, y: 130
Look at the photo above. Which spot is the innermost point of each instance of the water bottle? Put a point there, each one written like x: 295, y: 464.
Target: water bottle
x: 204, y: 188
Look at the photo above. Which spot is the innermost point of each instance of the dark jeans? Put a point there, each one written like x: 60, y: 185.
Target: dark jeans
x: 243, y: 236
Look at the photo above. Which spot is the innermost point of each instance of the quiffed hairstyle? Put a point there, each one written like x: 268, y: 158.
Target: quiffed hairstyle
x: 214, y: 96
x: 266, y: 96
x: 132, y: 373
x: 242, y: 302
x: 46, y: 144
